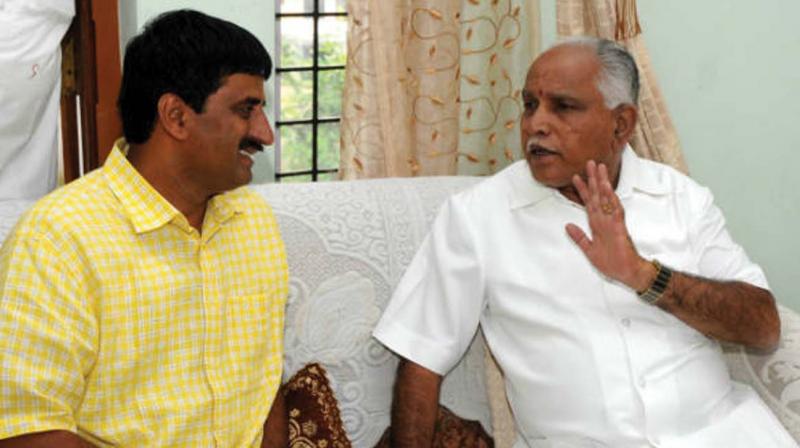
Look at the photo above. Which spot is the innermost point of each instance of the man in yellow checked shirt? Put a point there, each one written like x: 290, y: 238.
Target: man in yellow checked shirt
x: 143, y: 305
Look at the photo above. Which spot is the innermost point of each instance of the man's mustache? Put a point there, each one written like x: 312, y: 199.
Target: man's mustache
x: 248, y: 143
x: 533, y: 145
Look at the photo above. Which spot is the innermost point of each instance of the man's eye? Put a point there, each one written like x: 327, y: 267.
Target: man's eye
x: 530, y: 106
x: 245, y: 112
x: 564, y: 106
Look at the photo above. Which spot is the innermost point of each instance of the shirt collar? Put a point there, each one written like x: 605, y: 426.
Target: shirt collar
x: 145, y: 207
x: 525, y: 190
x: 634, y: 176
x: 224, y: 206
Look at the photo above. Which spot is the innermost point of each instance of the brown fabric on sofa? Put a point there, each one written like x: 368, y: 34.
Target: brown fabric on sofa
x: 451, y: 431
x: 314, y: 419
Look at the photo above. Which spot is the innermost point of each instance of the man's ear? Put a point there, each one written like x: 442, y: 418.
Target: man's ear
x: 625, y: 116
x: 172, y: 115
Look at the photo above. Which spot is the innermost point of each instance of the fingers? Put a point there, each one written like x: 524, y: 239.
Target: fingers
x: 579, y: 237
x: 603, y: 182
x: 583, y: 189
x: 609, y: 201
x: 606, y: 189
x: 591, y: 177
x: 596, y: 190
x: 610, y: 248
x: 587, y: 189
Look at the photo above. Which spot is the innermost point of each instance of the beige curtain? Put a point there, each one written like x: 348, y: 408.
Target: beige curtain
x: 432, y: 86
x: 655, y: 137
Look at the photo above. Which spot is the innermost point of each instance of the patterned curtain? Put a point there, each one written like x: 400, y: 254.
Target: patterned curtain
x: 655, y: 137
x: 433, y: 86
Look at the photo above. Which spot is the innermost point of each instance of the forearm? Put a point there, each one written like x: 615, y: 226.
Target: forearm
x: 731, y: 311
x: 49, y: 439
x: 728, y: 310
x: 276, y: 427
x: 416, y: 399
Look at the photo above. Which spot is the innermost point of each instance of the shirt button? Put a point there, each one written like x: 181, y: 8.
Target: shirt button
x: 642, y: 383
x: 625, y: 322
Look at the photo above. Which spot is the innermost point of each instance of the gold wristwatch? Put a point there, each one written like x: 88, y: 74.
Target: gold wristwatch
x: 659, y: 285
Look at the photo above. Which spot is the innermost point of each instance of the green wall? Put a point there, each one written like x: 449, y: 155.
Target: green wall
x: 730, y: 71
x: 730, y: 74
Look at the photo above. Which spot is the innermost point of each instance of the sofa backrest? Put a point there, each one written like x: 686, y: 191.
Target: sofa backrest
x: 348, y: 244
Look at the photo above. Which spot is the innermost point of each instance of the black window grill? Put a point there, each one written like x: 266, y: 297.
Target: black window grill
x: 310, y: 38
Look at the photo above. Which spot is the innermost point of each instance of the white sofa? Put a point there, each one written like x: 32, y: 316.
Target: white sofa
x: 348, y: 243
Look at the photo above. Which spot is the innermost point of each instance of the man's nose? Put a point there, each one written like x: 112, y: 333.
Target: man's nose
x: 537, y: 122
x: 260, y: 129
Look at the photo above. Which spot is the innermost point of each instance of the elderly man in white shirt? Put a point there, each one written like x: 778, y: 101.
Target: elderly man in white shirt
x: 602, y: 282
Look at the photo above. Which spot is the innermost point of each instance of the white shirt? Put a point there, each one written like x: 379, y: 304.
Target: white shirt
x: 586, y: 362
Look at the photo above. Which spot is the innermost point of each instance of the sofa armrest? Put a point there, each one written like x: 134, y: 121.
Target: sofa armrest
x: 774, y: 376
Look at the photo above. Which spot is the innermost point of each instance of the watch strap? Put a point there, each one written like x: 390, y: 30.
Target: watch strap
x: 656, y: 289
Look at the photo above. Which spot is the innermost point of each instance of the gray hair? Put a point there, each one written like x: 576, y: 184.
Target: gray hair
x: 619, y: 77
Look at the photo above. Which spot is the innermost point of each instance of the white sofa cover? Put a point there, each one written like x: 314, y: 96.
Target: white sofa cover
x: 349, y: 242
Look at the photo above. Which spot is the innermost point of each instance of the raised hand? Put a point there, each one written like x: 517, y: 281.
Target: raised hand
x: 610, y: 248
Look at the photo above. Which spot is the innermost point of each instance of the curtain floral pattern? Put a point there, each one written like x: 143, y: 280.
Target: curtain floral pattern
x: 655, y: 136
x: 433, y: 86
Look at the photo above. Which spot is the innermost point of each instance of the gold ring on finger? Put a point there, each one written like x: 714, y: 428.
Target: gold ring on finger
x: 607, y: 208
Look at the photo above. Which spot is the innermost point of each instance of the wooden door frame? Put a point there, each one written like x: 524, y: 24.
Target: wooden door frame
x: 91, y: 77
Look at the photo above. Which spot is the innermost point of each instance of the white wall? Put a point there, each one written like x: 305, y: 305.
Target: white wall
x: 730, y: 73
x: 257, y: 16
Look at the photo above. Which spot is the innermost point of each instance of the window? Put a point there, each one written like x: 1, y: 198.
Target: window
x: 311, y: 36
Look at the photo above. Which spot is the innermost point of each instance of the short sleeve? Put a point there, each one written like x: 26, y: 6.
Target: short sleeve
x: 719, y: 257
x: 435, y: 309
x: 48, y: 336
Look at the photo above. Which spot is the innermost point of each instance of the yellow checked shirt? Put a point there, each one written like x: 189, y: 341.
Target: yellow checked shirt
x: 119, y: 322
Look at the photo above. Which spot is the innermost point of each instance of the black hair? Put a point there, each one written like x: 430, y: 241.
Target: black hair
x: 187, y: 53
